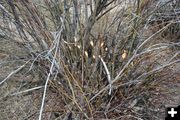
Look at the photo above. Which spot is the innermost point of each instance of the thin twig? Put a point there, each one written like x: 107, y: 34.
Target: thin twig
x: 28, y: 90
x: 14, y: 72
x: 157, y: 69
x: 50, y: 72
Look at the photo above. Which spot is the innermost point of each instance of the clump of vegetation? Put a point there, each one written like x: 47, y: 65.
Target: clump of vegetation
x: 101, y: 57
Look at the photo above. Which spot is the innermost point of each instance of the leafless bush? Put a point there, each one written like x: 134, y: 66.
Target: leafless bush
x: 91, y: 52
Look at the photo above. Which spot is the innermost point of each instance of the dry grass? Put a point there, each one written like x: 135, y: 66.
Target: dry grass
x: 98, y: 61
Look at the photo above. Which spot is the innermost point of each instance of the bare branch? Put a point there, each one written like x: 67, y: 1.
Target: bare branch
x: 108, y: 75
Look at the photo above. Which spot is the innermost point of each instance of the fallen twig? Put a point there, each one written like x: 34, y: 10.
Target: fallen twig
x: 28, y: 90
x: 14, y: 72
